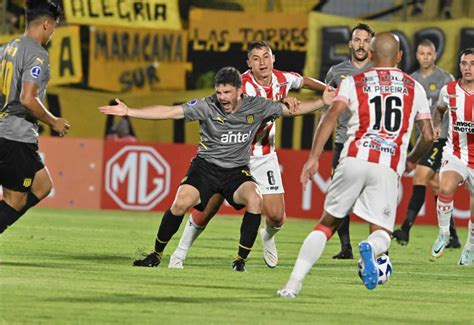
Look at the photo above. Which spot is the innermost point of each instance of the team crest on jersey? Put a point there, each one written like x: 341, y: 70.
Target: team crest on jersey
x: 35, y: 71
x: 192, y: 102
x: 433, y: 86
x: 250, y: 119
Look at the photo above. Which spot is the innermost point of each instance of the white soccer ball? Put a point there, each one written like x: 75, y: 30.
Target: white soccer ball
x: 385, y: 268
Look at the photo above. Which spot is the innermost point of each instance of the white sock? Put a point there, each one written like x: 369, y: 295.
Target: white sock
x: 380, y: 241
x: 190, y: 233
x: 444, y: 211
x: 310, y: 252
x: 470, y: 235
x: 269, y: 231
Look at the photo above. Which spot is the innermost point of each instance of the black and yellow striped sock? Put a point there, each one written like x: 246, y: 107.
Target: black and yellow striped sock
x: 168, y: 227
x: 248, y: 233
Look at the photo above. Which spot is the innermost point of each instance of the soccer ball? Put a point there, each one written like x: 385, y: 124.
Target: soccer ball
x: 385, y: 268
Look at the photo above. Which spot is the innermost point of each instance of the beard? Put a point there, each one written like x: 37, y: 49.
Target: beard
x: 358, y: 58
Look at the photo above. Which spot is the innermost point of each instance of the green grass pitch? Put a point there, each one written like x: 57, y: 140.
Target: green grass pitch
x: 69, y: 266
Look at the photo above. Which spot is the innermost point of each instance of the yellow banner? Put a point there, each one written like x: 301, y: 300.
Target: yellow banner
x: 137, y: 60
x: 162, y: 14
x: 329, y: 36
x: 215, y: 30
x: 64, y: 55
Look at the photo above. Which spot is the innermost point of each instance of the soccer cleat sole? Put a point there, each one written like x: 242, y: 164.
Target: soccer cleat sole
x: 369, y: 274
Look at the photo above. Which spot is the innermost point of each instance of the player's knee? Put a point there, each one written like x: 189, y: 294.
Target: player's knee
x: 179, y: 207
x: 275, y: 216
x: 254, y: 202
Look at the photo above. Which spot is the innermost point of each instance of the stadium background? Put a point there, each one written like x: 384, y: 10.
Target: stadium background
x: 167, y: 51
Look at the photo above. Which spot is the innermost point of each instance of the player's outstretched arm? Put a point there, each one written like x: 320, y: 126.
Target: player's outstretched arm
x: 313, y: 84
x: 30, y: 100
x: 321, y: 136
x: 295, y: 107
x: 158, y: 112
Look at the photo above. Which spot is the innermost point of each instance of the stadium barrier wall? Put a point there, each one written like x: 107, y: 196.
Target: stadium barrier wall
x: 328, y: 38
x: 97, y: 174
x: 137, y: 60
x: 64, y: 55
x: 138, y: 13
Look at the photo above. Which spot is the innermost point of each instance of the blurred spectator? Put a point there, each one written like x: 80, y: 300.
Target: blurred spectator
x: 122, y: 131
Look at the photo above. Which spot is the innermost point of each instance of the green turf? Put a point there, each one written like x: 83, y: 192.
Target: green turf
x: 65, y: 266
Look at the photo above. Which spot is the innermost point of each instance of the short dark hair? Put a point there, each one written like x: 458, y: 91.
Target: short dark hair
x: 427, y: 42
x: 38, y: 8
x: 365, y: 27
x: 469, y: 50
x: 228, y: 76
x: 257, y: 45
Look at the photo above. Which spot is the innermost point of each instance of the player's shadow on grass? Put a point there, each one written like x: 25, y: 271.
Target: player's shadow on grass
x: 133, y: 299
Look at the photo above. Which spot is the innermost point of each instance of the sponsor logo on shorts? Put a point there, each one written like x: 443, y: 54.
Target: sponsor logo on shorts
x: 27, y: 182
x: 246, y: 172
x: 386, y: 211
x: 35, y: 71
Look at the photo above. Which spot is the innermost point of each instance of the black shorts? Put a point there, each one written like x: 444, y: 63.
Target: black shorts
x: 336, y: 154
x: 210, y: 179
x: 19, y: 163
x: 432, y: 158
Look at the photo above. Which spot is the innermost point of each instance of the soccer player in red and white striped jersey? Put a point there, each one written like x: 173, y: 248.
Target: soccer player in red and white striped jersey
x: 384, y: 103
x: 457, y: 99
x: 260, y: 80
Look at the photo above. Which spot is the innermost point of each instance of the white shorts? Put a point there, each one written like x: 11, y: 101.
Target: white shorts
x: 371, y: 189
x: 266, y: 171
x: 453, y: 163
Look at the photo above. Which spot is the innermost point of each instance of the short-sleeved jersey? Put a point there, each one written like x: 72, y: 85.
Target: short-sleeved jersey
x: 334, y: 77
x: 282, y: 83
x: 226, y: 138
x: 22, y: 60
x: 432, y: 85
x: 460, y: 112
x: 384, y: 103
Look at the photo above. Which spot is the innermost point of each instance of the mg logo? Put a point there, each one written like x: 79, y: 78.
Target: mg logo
x: 137, y: 177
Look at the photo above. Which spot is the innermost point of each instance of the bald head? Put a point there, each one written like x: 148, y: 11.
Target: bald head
x: 385, y: 49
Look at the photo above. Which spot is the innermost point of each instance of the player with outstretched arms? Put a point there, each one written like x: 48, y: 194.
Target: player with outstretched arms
x: 229, y: 121
x: 260, y: 80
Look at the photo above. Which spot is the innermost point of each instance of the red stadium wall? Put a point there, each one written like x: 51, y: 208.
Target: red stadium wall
x: 140, y: 177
